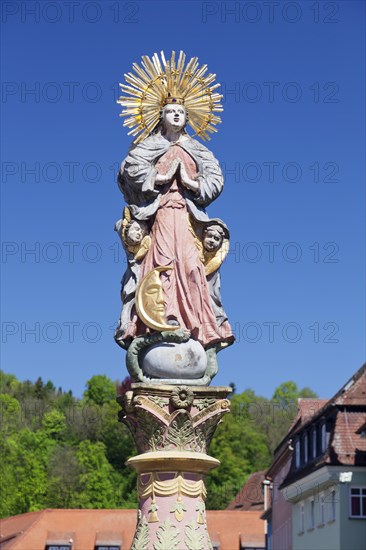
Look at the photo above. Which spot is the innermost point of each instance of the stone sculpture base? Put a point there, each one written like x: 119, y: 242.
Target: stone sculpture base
x: 172, y: 427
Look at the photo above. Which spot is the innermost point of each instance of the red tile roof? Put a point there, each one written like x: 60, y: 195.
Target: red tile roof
x: 306, y: 409
x: 250, y: 496
x: 354, y: 391
x: 33, y: 530
x: 348, y: 446
x: 231, y: 526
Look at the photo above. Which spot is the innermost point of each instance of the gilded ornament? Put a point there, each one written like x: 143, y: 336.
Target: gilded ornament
x: 201, y: 509
x: 159, y: 81
x: 150, y: 301
x: 178, y: 508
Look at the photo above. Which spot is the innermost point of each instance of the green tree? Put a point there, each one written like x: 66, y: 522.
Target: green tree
x: 63, y: 474
x: 10, y: 414
x: 119, y: 447
x: 100, y: 389
x: 285, y: 394
x: 8, y: 383
x: 54, y: 424
x: 307, y: 393
x: 241, y: 449
x: 96, y: 477
x: 23, y: 471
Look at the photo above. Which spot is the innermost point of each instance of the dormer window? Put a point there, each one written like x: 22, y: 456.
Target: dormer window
x: 323, y: 430
x: 305, y: 448
x: 314, y: 450
x: 297, y: 454
x: 59, y: 540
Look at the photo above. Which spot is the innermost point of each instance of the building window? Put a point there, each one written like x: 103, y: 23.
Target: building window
x: 314, y: 450
x: 332, y: 505
x: 323, y: 437
x: 58, y: 547
x: 302, y: 518
x: 305, y: 448
x: 297, y: 454
x: 358, y: 502
x: 312, y: 514
x: 322, y: 508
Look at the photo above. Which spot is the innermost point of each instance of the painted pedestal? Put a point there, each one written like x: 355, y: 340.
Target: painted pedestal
x: 172, y: 427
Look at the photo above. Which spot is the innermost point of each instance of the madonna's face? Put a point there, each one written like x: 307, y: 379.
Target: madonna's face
x: 174, y: 118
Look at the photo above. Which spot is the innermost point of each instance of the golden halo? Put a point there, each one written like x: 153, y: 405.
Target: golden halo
x: 158, y: 82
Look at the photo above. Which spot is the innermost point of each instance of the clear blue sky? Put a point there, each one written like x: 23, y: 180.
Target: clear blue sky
x: 291, y: 144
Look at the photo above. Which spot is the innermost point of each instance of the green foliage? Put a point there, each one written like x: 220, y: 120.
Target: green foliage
x: 307, y: 393
x: 63, y: 474
x: 23, y: 471
x: 288, y: 393
x: 8, y: 383
x: 54, y: 424
x: 241, y: 449
x: 100, y: 389
x: 96, y: 480
x: 9, y: 414
x: 61, y: 452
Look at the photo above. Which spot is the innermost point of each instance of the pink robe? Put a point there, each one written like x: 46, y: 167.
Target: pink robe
x: 186, y: 293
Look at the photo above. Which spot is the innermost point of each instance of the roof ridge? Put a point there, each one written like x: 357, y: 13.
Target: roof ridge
x: 349, y: 384
x: 24, y: 514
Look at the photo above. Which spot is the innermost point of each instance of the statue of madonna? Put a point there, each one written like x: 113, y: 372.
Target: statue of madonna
x: 167, y: 180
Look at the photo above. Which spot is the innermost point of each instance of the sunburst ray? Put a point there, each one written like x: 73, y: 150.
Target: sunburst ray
x: 159, y: 81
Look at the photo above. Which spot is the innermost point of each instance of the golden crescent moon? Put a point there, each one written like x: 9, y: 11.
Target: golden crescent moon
x: 148, y: 315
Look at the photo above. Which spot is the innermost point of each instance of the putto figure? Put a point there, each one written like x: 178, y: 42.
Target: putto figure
x: 171, y: 289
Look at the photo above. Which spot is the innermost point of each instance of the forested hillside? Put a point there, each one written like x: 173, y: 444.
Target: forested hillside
x: 58, y: 451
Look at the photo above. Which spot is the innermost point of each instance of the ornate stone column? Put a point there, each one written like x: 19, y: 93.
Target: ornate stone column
x: 172, y: 323
x: 172, y: 427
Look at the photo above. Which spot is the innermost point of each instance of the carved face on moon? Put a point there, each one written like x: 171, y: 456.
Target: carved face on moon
x: 154, y: 298
x: 150, y: 300
x: 212, y: 239
x: 174, y: 118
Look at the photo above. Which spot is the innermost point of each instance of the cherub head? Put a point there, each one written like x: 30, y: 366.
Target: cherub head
x: 135, y: 231
x: 213, y: 237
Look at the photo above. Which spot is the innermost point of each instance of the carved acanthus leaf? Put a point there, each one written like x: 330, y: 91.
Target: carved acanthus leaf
x: 141, y: 540
x: 194, y: 538
x: 167, y: 536
x: 181, y: 433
